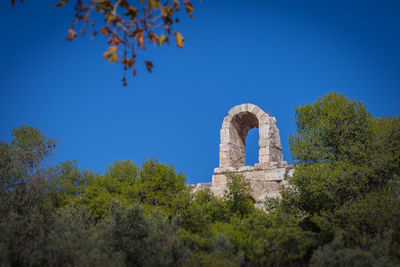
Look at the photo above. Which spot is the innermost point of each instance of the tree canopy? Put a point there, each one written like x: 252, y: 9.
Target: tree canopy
x: 341, y: 206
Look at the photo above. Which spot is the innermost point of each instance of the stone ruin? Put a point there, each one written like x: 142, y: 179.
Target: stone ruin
x: 266, y: 176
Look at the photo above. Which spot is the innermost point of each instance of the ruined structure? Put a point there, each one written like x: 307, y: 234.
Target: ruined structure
x: 267, y: 175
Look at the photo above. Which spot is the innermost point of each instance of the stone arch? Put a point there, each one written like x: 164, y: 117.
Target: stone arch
x: 236, y: 124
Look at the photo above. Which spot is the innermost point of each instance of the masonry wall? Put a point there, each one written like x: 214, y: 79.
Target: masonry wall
x: 267, y: 176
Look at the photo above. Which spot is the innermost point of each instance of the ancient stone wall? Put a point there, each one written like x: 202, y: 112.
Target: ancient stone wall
x: 267, y: 175
x: 236, y: 125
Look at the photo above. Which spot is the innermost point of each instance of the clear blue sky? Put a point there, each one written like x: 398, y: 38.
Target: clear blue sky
x: 275, y: 54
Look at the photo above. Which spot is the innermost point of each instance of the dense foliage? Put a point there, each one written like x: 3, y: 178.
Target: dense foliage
x: 341, y: 207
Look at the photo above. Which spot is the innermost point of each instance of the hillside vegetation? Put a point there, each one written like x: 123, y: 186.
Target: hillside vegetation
x: 341, y: 208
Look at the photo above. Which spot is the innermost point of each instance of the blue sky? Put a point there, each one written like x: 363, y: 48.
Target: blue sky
x: 275, y: 54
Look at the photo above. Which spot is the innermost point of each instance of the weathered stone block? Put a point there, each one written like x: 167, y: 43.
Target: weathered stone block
x: 265, y: 176
x: 264, y: 118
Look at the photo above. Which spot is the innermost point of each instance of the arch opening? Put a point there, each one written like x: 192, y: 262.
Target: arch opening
x: 252, y: 148
x: 242, y: 123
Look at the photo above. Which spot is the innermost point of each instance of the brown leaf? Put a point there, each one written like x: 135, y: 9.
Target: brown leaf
x: 110, y: 17
x: 105, y: 31
x: 115, y: 40
x: 163, y: 39
x: 168, y: 29
x: 128, y: 62
x: 61, y: 3
x: 166, y: 15
x: 153, y: 37
x: 139, y: 37
x: 131, y: 62
x: 189, y: 8
x: 72, y: 33
x: 111, y: 54
x: 179, y: 39
x: 132, y: 12
x: 155, y: 4
x: 149, y: 66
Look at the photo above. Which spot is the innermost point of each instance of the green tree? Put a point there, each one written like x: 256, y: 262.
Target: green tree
x: 146, y: 240
x: 273, y: 239
x: 118, y: 183
x: 333, y: 129
x: 344, y: 185
x: 75, y: 239
x: 24, y: 167
x: 337, y: 253
x: 66, y: 183
x: 24, y: 214
x: 341, y: 152
x: 155, y: 185
x: 238, y: 195
x: 159, y: 185
x: 340, y: 208
x: 202, y: 210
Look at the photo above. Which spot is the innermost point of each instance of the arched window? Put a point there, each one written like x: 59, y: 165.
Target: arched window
x: 252, y: 147
x: 235, y: 128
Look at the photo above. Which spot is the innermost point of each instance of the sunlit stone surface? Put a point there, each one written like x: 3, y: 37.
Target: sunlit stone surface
x: 266, y: 176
